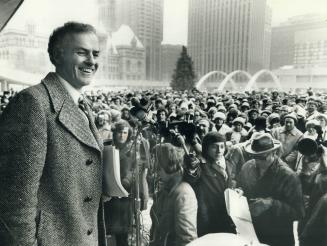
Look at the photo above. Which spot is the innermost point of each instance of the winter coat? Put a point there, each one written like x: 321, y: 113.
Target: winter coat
x: 275, y: 225
x: 173, y: 215
x: 50, y: 170
x: 209, y: 185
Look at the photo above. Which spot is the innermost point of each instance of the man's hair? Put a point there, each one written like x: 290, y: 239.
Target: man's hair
x: 209, y: 139
x: 58, y: 36
x: 119, y: 126
x: 170, y: 158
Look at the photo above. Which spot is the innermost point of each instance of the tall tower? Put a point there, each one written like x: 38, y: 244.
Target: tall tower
x: 107, y: 14
x: 229, y: 35
x: 145, y: 17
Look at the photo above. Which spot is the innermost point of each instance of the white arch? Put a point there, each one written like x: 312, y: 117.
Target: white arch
x: 230, y: 76
x: 254, y: 78
x: 204, y: 77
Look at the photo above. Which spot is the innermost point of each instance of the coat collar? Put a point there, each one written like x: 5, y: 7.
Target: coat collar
x: 69, y: 115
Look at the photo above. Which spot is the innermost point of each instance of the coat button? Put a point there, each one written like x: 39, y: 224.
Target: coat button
x: 89, y: 232
x: 87, y: 199
x: 89, y: 162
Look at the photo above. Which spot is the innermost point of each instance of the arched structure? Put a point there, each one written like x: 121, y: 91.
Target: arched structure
x: 254, y: 78
x: 204, y: 77
x: 230, y: 76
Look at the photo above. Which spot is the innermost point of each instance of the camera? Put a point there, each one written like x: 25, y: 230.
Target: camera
x: 171, y: 130
x: 308, y: 146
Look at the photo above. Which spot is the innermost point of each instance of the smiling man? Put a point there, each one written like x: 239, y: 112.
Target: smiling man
x: 50, y: 152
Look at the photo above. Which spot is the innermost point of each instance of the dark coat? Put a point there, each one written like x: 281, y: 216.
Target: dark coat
x: 312, y: 229
x: 274, y: 226
x: 50, y: 170
x: 119, y: 211
x: 209, y: 186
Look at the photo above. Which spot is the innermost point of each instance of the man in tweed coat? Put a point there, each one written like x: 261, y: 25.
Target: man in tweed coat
x: 50, y: 152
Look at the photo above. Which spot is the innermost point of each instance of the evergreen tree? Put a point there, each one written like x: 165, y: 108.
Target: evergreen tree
x: 183, y: 77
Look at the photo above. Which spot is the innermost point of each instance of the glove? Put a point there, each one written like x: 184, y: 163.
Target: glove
x: 191, y: 162
x: 259, y: 205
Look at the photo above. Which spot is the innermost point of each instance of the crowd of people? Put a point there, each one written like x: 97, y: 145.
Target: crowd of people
x: 189, y: 147
x: 237, y: 140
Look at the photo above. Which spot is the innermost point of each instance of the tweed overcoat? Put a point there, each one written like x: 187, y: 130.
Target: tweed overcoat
x: 50, y: 170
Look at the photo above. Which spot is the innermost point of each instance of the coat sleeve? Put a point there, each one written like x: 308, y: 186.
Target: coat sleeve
x: 186, y: 214
x: 23, y: 147
x: 291, y: 205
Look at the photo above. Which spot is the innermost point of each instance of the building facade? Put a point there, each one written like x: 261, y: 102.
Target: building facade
x: 295, y: 41
x: 229, y: 35
x: 145, y: 17
x: 25, y: 50
x: 107, y: 14
x: 169, y: 56
x: 123, y: 57
x: 310, y: 48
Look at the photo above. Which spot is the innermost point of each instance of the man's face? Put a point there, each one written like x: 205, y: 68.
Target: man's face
x: 125, y: 114
x: 311, y: 107
x: 238, y: 127
x: 289, y: 124
x: 77, y: 62
x: 311, y: 129
x: 203, y: 127
x: 122, y: 135
x: 101, y: 120
x: 254, y: 115
x: 162, y: 116
x: 322, y: 123
x: 219, y: 122
x: 216, y: 150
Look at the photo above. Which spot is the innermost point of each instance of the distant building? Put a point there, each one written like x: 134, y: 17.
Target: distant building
x: 25, y: 50
x: 145, y: 17
x: 229, y: 35
x: 107, y: 14
x: 297, y: 41
x: 123, y: 56
x: 169, y: 56
x: 310, y: 48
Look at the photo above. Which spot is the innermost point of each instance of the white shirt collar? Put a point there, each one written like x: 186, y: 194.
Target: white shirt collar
x: 222, y: 163
x: 75, y: 94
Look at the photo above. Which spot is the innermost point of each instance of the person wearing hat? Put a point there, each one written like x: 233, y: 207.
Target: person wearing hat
x: 238, y: 133
x: 311, y: 127
x: 230, y: 116
x: 311, y: 108
x: 273, y: 121
x: 211, y: 112
x: 312, y: 230
x: 220, y: 126
x: 260, y: 125
x: 245, y: 106
x: 252, y: 115
x: 322, y: 119
x: 289, y: 136
x: 221, y: 108
x: 273, y: 191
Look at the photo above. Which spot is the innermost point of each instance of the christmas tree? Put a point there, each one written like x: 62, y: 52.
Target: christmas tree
x: 183, y: 77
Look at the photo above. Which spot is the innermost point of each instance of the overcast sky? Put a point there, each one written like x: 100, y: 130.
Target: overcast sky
x: 51, y: 13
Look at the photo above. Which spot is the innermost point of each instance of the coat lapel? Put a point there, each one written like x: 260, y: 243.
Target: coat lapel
x: 69, y: 115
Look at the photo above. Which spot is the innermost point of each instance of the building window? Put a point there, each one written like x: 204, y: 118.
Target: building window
x: 139, y: 66
x: 128, y: 65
